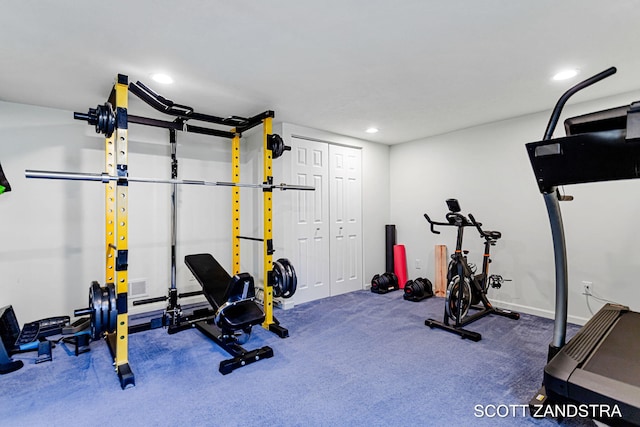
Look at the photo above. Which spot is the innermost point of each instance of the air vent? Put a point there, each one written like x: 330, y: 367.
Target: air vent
x: 138, y: 288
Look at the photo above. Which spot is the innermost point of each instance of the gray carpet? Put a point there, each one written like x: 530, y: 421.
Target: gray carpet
x: 358, y: 359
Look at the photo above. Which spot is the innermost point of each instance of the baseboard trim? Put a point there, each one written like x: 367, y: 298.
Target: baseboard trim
x: 548, y: 314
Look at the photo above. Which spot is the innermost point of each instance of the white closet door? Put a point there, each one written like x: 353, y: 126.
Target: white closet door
x: 345, y: 176
x: 311, y: 219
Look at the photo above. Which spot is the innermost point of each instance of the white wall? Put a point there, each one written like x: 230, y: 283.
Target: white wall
x: 487, y: 169
x: 375, y: 192
x: 52, y: 232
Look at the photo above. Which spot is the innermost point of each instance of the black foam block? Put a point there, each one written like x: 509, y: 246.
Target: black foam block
x: 390, y: 233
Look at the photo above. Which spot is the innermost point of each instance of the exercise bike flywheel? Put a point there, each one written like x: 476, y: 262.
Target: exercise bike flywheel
x: 451, y: 300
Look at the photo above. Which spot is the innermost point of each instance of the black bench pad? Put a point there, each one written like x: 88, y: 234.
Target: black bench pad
x: 216, y: 283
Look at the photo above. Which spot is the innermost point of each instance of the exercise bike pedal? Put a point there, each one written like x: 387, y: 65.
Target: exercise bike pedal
x: 496, y: 281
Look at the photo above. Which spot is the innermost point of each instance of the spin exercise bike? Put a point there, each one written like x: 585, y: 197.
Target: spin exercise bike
x: 466, y: 289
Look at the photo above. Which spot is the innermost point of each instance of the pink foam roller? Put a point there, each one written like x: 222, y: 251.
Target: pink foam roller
x: 400, y: 264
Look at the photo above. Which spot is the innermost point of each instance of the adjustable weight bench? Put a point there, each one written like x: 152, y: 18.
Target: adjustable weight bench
x: 236, y: 312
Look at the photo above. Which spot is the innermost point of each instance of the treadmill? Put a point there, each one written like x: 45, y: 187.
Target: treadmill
x: 598, y: 370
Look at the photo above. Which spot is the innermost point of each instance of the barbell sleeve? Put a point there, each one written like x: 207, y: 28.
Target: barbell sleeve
x: 82, y: 311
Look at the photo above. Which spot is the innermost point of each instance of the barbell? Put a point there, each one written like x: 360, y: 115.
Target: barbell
x: 105, y: 178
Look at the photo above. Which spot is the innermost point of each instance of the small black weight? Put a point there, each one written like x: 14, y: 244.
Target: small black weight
x: 383, y: 283
x: 418, y: 289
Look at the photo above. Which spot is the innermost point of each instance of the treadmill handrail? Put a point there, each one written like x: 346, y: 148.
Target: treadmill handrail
x: 557, y: 228
x: 555, y: 115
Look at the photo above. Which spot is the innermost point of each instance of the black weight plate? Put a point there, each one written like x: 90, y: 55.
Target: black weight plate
x: 294, y: 280
x: 291, y: 276
x: 105, y: 310
x: 106, y: 120
x: 277, y: 145
x: 286, y: 282
x: 95, y: 303
x: 279, y: 273
x: 113, y: 310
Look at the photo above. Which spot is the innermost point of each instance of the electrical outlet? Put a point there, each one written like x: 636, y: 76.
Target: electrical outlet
x: 418, y: 263
x: 587, y: 287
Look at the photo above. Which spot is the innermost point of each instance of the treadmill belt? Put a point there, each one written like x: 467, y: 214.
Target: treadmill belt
x: 618, y: 353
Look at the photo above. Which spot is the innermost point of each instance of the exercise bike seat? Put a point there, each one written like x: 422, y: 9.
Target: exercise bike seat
x: 232, y: 298
x: 495, y: 235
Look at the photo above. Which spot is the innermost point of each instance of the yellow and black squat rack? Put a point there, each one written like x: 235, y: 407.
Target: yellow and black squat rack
x: 108, y: 305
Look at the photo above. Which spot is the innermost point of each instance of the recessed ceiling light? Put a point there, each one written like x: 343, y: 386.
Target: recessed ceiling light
x: 162, y: 78
x: 372, y: 130
x: 566, y: 74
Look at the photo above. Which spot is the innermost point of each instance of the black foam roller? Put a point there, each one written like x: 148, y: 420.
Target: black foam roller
x: 390, y: 232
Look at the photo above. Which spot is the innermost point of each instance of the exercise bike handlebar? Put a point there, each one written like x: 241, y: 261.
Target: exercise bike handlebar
x: 457, y: 219
x: 478, y: 225
x: 454, y: 220
x: 432, y: 223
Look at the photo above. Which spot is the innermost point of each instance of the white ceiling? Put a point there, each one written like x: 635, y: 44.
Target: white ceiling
x: 412, y: 68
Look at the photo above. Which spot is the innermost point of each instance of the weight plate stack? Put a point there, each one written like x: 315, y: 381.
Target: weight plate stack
x: 279, y: 278
x: 102, y: 309
x: 285, y: 281
x: 292, y: 279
